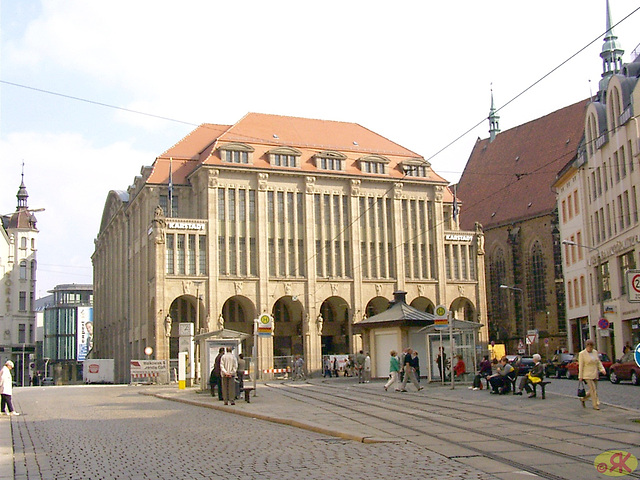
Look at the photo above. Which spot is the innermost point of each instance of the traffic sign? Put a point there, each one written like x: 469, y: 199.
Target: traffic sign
x: 520, y: 345
x: 603, y: 323
x: 531, y: 339
x: 265, y: 325
x: 636, y: 354
x: 633, y: 285
x: 441, y: 317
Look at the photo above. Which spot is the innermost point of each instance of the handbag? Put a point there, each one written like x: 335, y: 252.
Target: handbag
x: 533, y: 379
x: 581, y: 391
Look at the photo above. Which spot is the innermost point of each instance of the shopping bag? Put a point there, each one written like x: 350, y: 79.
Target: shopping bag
x: 581, y: 391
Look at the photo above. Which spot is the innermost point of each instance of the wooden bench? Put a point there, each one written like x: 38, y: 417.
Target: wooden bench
x: 543, y: 386
x: 247, y: 393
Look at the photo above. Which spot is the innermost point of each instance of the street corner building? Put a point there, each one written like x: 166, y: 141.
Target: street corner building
x: 314, y: 222
x: 18, y: 268
x: 598, y: 211
x: 558, y: 200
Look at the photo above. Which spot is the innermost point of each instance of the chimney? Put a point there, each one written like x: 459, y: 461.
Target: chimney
x: 399, y: 296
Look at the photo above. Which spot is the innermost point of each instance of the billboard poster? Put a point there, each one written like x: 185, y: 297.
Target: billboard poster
x: 84, y: 332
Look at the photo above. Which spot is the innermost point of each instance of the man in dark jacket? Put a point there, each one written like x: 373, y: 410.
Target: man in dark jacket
x: 216, y: 379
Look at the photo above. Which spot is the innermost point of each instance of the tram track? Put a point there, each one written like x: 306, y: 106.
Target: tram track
x: 418, y: 420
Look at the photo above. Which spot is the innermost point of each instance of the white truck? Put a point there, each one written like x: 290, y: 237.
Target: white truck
x: 98, y: 371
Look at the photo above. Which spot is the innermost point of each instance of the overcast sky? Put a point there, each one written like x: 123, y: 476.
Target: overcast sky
x: 416, y: 72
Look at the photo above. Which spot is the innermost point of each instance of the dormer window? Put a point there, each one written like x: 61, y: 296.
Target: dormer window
x: 416, y: 167
x: 236, y: 153
x: 284, y: 157
x: 374, y: 164
x: 331, y: 161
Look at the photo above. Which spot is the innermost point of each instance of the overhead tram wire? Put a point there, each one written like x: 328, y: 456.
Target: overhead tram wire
x: 94, y: 102
x: 160, y: 117
x: 426, y: 161
x: 433, y: 227
x: 530, y: 86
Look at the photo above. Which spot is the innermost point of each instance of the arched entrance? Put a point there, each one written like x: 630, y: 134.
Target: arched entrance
x: 463, y: 309
x: 183, y: 310
x: 287, y: 317
x: 238, y: 313
x: 335, y: 326
x: 423, y: 304
x: 377, y: 305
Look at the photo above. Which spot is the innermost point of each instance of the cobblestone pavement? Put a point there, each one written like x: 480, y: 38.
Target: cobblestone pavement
x: 623, y: 395
x: 113, y: 432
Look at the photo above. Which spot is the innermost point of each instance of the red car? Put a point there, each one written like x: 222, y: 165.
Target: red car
x: 572, y: 368
x: 625, y: 369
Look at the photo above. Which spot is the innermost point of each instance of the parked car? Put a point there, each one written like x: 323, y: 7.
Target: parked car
x: 572, y: 368
x: 47, y: 381
x: 557, y: 367
x: 625, y: 369
x: 525, y: 365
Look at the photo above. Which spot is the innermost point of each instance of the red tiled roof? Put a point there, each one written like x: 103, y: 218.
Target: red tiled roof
x: 265, y: 132
x: 306, y: 132
x: 196, y: 142
x: 510, y: 178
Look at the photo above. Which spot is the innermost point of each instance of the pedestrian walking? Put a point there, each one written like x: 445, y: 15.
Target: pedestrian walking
x: 416, y: 364
x: 6, y: 388
x: 409, y: 372
x: 215, y: 380
x: 360, y: 365
x: 367, y: 368
x: 401, y: 358
x: 298, y: 369
x: 394, y: 370
x: 589, y: 369
x: 228, y: 369
x: 327, y: 367
x: 441, y: 362
x: 335, y: 366
x: 242, y: 366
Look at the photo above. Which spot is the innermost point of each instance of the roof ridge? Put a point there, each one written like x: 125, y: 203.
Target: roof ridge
x: 586, y: 101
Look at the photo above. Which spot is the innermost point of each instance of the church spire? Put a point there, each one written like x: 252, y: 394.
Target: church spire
x: 494, y: 121
x: 611, y: 54
x: 22, y: 194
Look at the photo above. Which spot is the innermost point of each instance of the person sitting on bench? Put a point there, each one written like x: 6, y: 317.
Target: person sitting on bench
x: 534, y: 376
x: 500, y: 381
x: 460, y: 368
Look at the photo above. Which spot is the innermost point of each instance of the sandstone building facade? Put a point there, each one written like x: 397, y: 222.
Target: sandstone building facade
x: 315, y: 222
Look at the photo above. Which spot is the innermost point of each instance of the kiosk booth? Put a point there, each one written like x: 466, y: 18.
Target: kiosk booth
x: 209, y: 344
x: 465, y: 335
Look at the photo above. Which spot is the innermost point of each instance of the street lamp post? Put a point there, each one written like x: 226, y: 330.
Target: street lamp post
x: 524, y: 326
x: 196, y: 328
x: 598, y: 280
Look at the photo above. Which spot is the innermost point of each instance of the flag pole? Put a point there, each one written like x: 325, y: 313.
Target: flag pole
x: 170, y: 207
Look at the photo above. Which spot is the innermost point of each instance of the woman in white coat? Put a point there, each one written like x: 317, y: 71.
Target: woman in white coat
x: 6, y: 388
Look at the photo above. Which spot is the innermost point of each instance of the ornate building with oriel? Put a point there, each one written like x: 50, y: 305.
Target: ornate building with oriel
x: 314, y: 222
x: 598, y: 205
x: 18, y: 266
